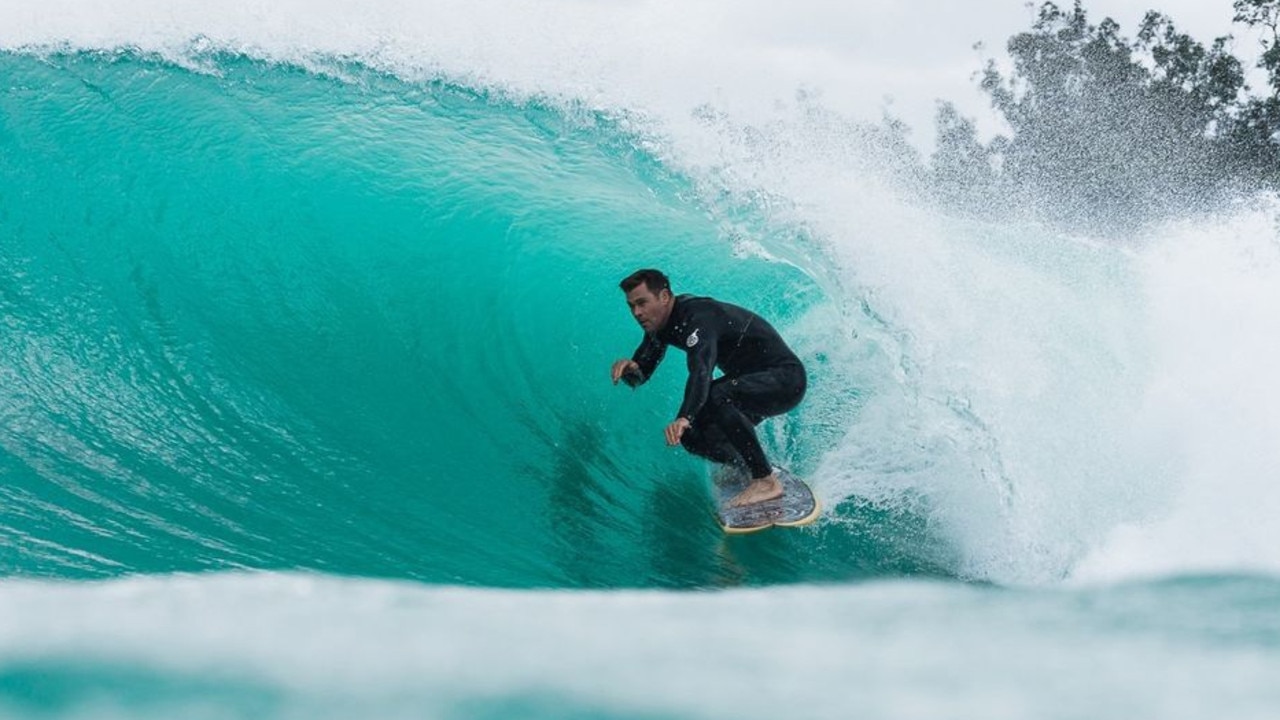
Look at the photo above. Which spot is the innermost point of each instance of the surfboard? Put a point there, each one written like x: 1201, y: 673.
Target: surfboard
x: 797, y: 506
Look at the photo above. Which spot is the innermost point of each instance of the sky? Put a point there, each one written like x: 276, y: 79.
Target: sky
x: 909, y: 55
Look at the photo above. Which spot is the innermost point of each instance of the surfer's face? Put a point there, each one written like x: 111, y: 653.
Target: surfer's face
x: 650, y: 310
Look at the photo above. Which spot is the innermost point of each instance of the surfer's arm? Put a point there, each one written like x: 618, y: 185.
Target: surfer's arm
x: 702, y: 362
x: 646, y: 359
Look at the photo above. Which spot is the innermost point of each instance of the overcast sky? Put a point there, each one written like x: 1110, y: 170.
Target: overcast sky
x: 911, y: 54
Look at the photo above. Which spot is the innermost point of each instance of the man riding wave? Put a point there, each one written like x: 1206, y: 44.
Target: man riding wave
x: 761, y: 378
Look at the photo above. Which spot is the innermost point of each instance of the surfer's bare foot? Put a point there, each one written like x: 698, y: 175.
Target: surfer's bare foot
x: 760, y: 489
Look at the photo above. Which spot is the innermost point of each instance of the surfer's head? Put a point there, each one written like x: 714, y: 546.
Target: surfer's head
x: 649, y: 297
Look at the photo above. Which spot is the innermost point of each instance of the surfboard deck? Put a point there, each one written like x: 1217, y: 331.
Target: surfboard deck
x: 797, y: 506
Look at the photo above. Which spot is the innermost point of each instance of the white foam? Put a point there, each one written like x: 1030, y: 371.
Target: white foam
x: 327, y: 647
x: 1214, y: 300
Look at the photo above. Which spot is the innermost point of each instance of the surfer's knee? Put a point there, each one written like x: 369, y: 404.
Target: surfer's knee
x: 710, y: 445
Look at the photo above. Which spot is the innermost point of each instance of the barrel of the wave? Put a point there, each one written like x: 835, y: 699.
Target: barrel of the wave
x: 268, y: 318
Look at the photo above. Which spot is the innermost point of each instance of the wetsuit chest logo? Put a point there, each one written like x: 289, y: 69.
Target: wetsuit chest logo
x: 692, y: 339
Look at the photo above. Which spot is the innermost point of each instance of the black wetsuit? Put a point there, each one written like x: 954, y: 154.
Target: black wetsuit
x: 762, y: 377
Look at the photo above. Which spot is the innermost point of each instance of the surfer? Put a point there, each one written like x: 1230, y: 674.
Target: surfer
x: 761, y: 377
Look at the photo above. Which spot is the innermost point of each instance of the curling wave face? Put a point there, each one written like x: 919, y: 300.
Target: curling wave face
x: 261, y: 316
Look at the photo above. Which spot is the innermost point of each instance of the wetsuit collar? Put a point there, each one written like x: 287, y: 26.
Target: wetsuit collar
x: 675, y: 300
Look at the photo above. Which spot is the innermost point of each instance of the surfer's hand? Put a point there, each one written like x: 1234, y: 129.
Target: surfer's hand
x: 622, y: 367
x: 676, y: 429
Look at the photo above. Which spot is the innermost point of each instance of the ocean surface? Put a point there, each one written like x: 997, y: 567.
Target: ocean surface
x: 306, y: 319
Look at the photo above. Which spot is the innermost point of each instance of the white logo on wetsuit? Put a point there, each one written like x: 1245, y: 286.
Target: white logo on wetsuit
x: 693, y: 339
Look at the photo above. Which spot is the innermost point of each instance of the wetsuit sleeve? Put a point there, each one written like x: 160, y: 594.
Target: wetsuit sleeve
x: 702, y: 362
x: 647, y: 356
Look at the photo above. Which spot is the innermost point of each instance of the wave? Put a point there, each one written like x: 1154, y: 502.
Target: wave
x: 334, y: 306
x: 261, y: 316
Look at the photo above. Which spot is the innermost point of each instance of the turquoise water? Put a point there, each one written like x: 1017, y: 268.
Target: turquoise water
x: 304, y: 412
x: 264, y: 318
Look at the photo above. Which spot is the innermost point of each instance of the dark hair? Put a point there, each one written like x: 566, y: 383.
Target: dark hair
x: 655, y: 280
